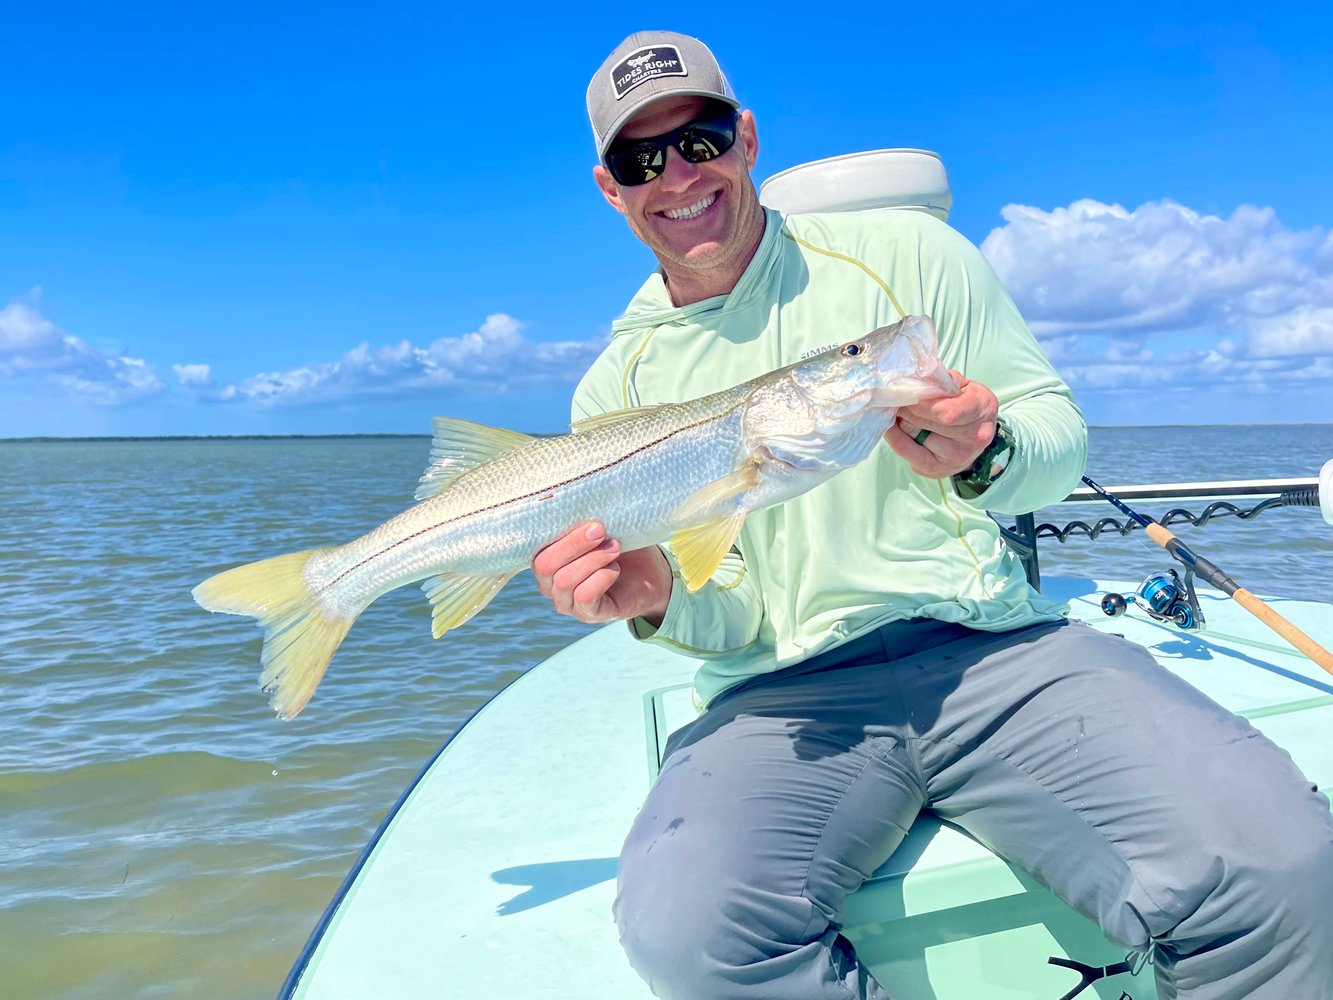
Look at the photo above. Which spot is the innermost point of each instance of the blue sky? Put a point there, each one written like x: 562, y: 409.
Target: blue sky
x: 283, y: 218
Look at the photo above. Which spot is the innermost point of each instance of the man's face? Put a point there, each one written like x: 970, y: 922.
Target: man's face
x: 694, y: 216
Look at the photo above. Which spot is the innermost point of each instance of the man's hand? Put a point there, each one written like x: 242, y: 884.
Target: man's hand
x: 960, y: 429
x: 587, y: 577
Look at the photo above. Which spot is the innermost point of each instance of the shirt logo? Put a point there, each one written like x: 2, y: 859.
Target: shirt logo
x: 646, y: 64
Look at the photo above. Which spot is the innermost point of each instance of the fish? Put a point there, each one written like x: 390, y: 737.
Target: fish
x: 682, y: 474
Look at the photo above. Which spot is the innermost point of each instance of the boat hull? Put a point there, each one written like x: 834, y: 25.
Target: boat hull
x: 494, y: 875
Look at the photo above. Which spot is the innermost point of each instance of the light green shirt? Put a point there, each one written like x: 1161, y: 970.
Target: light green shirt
x: 876, y: 543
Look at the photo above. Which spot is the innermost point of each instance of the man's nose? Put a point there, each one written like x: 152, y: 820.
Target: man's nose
x: 678, y: 173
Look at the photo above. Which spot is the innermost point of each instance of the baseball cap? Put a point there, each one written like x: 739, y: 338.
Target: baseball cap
x: 646, y: 66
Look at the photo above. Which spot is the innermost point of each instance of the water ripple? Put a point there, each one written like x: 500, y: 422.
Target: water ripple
x: 160, y: 822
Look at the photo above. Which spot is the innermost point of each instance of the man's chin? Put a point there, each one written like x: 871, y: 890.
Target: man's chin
x: 699, y: 255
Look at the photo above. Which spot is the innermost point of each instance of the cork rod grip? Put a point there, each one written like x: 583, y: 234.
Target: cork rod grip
x: 1284, y: 628
x: 1159, y: 534
x: 1243, y: 597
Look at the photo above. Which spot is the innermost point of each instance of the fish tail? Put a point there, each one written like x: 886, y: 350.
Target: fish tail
x: 299, y: 636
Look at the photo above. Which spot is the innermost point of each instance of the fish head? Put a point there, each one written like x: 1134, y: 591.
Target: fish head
x: 893, y: 366
x: 832, y: 408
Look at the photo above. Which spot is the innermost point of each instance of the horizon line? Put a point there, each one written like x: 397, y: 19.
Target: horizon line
x: 51, y: 438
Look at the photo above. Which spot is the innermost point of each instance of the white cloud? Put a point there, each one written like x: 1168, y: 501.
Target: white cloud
x: 192, y: 374
x: 31, y: 346
x: 1304, y: 331
x: 496, y: 357
x: 1161, y: 294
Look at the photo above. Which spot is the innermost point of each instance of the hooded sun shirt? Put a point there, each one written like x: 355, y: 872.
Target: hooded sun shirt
x: 876, y: 543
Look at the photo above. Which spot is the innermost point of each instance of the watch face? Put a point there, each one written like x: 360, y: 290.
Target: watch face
x: 989, y: 464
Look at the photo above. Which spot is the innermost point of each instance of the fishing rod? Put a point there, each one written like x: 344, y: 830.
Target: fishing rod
x: 1195, y: 563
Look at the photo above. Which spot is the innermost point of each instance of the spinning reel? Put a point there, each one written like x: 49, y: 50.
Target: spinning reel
x: 1165, y: 597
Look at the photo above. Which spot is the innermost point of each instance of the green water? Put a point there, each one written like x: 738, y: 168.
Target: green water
x: 164, y: 836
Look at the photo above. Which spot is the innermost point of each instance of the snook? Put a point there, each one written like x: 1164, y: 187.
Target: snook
x: 683, y: 473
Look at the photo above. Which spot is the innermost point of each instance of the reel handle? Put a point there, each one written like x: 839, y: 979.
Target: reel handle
x: 1114, y: 605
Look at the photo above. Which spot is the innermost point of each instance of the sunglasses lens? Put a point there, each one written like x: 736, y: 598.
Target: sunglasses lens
x: 698, y: 142
x: 707, y: 140
x: 636, y: 165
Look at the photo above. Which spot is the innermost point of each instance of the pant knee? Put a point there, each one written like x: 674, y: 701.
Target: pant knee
x: 668, y: 932
x: 1294, y: 883
x: 1271, y: 894
x: 692, y: 931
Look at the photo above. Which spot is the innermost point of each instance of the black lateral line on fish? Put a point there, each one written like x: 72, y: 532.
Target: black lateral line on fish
x: 526, y: 496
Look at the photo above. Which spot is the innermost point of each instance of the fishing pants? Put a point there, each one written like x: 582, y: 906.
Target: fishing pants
x: 1071, y: 753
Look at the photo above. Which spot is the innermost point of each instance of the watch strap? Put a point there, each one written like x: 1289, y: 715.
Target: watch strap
x: 992, y: 461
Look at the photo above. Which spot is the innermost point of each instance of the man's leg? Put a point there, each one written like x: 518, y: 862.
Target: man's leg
x: 1142, y: 803
x: 769, y: 812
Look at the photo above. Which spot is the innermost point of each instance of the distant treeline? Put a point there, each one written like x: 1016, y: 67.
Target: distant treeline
x: 230, y: 437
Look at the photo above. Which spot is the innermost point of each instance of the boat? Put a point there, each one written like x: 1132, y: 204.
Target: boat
x: 493, y: 875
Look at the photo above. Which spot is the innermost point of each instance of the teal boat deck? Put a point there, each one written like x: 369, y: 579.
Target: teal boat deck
x: 494, y: 878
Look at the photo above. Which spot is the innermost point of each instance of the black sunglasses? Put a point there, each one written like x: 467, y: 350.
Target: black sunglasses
x: 638, y: 161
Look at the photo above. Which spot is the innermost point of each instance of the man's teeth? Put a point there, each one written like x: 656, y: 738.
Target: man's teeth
x: 689, y: 213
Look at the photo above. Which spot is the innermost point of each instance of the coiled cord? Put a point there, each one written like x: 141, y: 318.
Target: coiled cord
x: 1308, y: 497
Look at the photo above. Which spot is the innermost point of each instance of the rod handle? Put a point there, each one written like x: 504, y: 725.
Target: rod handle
x: 1241, y: 596
x: 1159, y: 534
x: 1284, y: 628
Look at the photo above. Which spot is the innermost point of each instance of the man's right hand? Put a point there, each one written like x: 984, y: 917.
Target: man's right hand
x: 587, y: 577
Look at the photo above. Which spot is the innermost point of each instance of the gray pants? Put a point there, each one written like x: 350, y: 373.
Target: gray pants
x: 1172, y: 823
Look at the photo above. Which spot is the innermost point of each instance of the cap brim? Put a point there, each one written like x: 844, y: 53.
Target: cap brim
x: 622, y: 119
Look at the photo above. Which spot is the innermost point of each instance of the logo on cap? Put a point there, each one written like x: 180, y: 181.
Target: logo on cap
x: 646, y: 64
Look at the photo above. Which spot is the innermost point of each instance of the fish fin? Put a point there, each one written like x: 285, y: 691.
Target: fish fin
x: 455, y: 598
x: 699, y: 549
x: 701, y: 502
x: 611, y: 418
x: 459, y: 446
x: 299, y: 638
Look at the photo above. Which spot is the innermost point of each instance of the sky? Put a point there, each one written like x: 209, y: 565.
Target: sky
x: 332, y: 218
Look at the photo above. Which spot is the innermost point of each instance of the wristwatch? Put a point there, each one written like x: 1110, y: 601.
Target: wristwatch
x: 988, y: 466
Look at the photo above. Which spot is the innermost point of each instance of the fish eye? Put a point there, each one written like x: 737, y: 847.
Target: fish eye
x: 852, y: 350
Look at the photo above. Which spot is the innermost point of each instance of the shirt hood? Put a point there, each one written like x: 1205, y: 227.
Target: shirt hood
x: 652, y: 305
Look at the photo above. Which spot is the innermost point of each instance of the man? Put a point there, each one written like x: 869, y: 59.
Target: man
x: 870, y: 648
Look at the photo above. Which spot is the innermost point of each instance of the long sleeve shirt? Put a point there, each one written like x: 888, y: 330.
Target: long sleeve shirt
x: 876, y: 543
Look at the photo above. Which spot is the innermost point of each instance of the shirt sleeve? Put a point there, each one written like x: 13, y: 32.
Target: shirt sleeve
x: 724, y: 615
x: 720, y: 619
x: 982, y: 335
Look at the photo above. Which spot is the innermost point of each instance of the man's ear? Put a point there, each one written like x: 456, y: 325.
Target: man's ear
x: 609, y: 188
x: 748, y: 138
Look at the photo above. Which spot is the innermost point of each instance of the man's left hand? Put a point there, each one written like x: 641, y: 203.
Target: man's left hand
x: 960, y: 429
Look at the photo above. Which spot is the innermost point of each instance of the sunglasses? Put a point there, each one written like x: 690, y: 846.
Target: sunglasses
x: 638, y: 161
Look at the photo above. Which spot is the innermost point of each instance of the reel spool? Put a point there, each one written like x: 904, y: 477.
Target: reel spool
x: 1164, y: 597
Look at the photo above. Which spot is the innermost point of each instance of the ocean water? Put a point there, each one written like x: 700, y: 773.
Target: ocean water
x: 165, y: 836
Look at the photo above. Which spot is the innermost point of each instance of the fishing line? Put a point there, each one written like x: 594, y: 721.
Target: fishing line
x: 1216, y: 576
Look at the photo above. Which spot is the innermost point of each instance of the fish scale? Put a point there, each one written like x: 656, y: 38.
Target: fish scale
x: 684, y: 473
x: 500, y: 515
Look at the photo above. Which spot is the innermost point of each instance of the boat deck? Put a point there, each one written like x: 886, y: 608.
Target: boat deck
x: 494, y: 878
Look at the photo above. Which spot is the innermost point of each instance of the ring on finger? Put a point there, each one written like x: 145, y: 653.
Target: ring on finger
x: 920, y: 436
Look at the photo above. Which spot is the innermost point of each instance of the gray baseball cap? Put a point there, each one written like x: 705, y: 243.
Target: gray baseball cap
x: 646, y: 66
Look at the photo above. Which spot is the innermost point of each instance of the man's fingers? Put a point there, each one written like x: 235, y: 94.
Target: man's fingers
x: 568, y: 578
x: 591, y: 600
x: 975, y: 404
x: 943, y: 420
x: 920, y: 458
x: 938, y: 458
x: 576, y: 542
x: 951, y: 440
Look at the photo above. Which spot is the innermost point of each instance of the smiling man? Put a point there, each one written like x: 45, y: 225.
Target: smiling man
x: 701, y: 219
x: 871, y: 649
